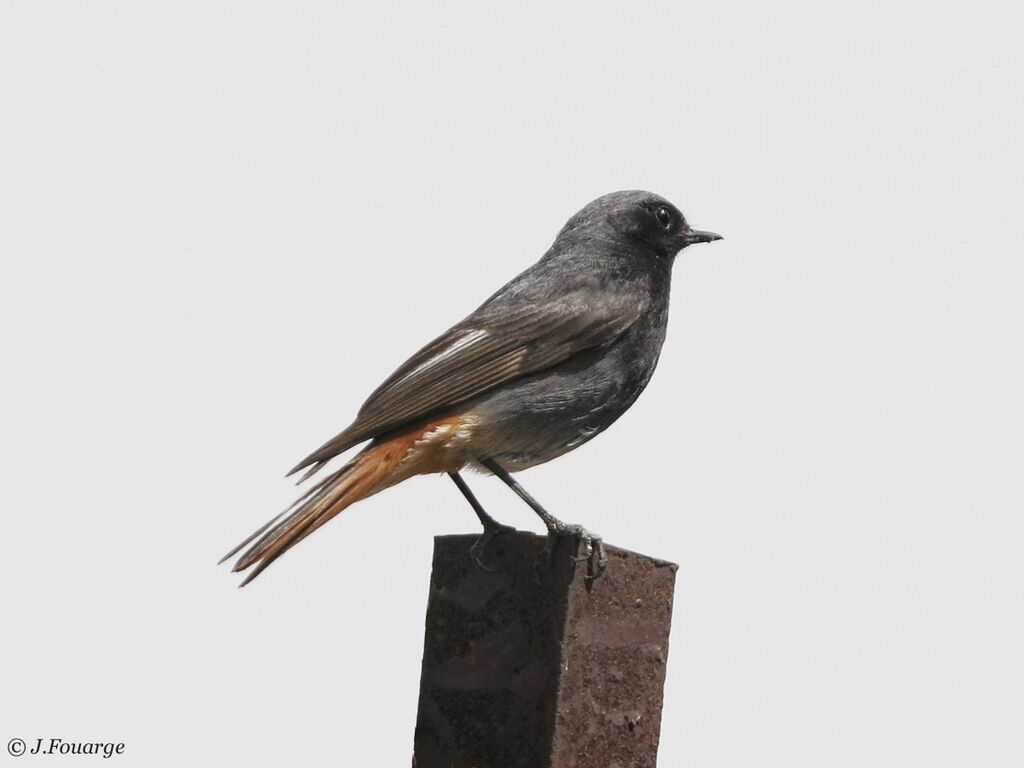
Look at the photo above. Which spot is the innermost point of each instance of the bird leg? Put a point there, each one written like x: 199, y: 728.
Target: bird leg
x: 593, y: 545
x: 491, y: 526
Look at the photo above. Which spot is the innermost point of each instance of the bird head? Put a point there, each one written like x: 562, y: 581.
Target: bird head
x: 639, y: 216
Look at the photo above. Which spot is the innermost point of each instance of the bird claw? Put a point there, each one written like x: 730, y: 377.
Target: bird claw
x: 594, y: 554
x: 476, y: 551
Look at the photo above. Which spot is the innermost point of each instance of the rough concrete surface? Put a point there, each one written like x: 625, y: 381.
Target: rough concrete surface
x: 532, y: 666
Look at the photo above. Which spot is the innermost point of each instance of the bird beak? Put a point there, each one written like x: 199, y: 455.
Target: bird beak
x: 700, y: 236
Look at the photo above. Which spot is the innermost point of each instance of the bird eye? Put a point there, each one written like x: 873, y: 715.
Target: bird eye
x: 664, y: 216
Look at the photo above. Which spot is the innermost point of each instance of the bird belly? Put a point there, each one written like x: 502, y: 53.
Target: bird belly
x: 543, y: 416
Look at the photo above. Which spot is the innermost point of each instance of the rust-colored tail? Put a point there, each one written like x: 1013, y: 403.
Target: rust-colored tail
x: 381, y: 464
x: 356, y: 480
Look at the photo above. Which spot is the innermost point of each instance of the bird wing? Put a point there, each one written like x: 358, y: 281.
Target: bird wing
x: 490, y: 347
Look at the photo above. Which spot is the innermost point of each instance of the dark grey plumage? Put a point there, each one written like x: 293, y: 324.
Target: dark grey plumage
x: 550, y: 360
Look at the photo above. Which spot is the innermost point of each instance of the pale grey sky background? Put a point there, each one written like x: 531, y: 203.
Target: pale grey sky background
x: 222, y: 224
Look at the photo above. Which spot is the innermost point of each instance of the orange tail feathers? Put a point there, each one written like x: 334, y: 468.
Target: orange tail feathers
x: 381, y: 464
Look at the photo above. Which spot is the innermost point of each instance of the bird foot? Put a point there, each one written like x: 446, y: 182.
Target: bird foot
x: 477, y: 550
x: 594, y: 554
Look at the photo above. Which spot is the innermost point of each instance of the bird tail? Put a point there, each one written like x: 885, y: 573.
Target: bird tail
x: 370, y: 471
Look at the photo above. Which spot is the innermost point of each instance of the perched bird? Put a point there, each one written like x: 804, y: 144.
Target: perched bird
x: 547, y: 362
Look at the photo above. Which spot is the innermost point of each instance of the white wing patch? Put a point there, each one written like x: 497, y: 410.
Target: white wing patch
x: 472, y: 337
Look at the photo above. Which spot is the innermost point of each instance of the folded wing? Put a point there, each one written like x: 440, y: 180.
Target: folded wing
x: 483, y: 351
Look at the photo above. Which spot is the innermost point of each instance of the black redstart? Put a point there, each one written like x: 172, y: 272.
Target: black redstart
x: 547, y: 362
